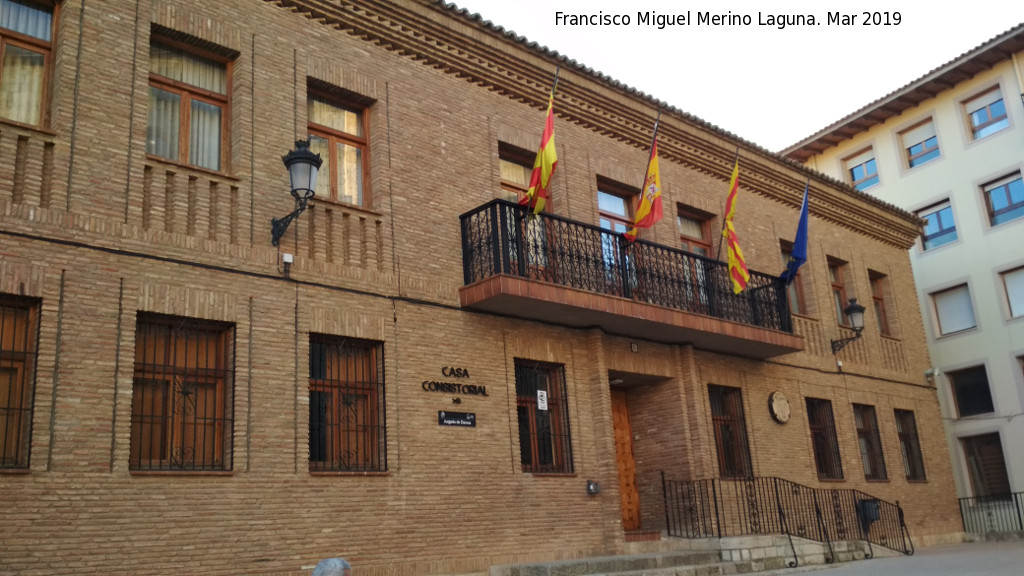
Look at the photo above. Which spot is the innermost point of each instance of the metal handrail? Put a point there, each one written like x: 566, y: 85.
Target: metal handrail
x: 500, y: 237
x: 993, y: 513
x: 770, y: 505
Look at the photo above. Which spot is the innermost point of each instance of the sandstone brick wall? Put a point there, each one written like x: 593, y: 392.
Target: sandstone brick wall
x: 99, y: 232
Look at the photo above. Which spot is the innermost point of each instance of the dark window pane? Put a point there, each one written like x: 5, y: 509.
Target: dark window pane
x: 970, y: 387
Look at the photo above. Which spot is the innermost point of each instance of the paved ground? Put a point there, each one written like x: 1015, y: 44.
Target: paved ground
x: 971, y: 559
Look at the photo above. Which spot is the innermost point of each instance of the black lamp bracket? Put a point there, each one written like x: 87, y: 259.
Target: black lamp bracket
x: 279, y: 226
x: 838, y: 345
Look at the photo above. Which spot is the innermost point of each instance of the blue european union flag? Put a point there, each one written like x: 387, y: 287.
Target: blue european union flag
x: 799, y: 254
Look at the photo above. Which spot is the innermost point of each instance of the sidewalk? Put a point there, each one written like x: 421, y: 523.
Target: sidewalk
x: 970, y: 559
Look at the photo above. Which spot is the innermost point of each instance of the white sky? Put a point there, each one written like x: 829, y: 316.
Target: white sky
x: 769, y: 86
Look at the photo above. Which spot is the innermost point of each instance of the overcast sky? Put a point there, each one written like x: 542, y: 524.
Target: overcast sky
x: 768, y: 85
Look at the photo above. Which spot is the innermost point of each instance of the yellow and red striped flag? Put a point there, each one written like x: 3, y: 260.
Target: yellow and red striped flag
x: 649, y: 210
x: 737, y: 266
x: 544, y: 165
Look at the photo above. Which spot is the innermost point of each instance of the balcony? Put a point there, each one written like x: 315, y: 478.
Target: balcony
x: 569, y: 273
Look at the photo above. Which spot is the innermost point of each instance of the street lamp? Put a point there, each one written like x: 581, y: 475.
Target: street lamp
x: 855, y: 312
x: 303, y: 167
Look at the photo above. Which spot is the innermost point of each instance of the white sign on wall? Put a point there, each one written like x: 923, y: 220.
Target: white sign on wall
x: 542, y: 399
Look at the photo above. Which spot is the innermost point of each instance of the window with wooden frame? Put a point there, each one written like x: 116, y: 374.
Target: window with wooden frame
x: 971, y: 391
x: 861, y: 169
x: 939, y: 227
x: 694, y: 230
x: 986, y: 114
x: 920, y: 144
x: 1004, y: 199
x: 837, y: 280
x: 615, y: 204
x: 870, y: 442
x: 795, y: 289
x: 516, y: 167
x: 19, y: 338
x: 1013, y: 284
x: 824, y: 441
x: 189, y: 96
x: 339, y: 132
x: 182, y: 394
x: 730, y: 429
x: 910, y: 444
x: 954, y: 311
x: 986, y: 465
x: 881, y: 300
x: 542, y: 411
x: 347, y: 430
x: 26, y: 45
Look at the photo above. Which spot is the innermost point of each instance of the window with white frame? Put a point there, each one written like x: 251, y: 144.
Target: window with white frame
x: 986, y: 114
x: 986, y: 465
x: 953, y: 310
x: 939, y: 226
x: 1013, y: 282
x: 1004, y: 199
x: 861, y: 169
x: 971, y: 391
x: 920, y: 143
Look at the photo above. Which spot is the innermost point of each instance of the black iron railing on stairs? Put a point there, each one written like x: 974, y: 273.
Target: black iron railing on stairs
x: 717, y: 508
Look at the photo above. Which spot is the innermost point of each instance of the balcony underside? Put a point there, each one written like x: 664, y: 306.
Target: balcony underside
x: 534, y: 300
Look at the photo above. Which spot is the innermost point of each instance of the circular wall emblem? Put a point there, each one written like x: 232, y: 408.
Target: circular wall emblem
x: 778, y: 405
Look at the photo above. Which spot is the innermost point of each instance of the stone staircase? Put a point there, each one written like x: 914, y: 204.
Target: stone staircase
x: 765, y: 555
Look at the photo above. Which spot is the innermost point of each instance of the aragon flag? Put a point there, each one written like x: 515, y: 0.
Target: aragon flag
x: 737, y: 266
x: 649, y: 210
x: 544, y: 165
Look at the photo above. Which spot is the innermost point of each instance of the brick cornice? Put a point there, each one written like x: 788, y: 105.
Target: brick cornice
x: 454, y: 41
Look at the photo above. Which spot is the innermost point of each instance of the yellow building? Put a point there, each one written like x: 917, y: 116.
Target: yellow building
x: 416, y: 377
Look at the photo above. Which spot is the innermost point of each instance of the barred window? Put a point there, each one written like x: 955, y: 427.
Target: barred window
x: 986, y: 465
x: 870, y: 442
x: 824, y: 440
x: 182, y: 394
x: 542, y: 409
x: 346, y: 405
x: 910, y: 445
x: 730, y: 432
x: 19, y: 334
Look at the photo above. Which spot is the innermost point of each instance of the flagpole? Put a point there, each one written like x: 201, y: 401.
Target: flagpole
x: 650, y: 158
x: 719, y: 253
x: 551, y: 98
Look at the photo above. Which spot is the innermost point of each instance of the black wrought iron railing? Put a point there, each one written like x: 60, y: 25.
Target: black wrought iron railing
x: 500, y: 238
x: 997, y: 513
x: 718, y: 508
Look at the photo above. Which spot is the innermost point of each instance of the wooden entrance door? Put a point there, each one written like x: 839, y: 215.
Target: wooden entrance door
x: 626, y: 462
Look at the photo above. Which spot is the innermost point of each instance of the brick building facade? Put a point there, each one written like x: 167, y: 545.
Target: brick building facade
x: 178, y: 399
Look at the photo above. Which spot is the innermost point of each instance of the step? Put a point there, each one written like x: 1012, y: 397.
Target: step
x: 765, y: 555
x: 615, y: 564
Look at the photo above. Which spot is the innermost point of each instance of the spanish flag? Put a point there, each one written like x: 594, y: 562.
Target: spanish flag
x: 737, y: 266
x: 649, y: 210
x: 544, y: 165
